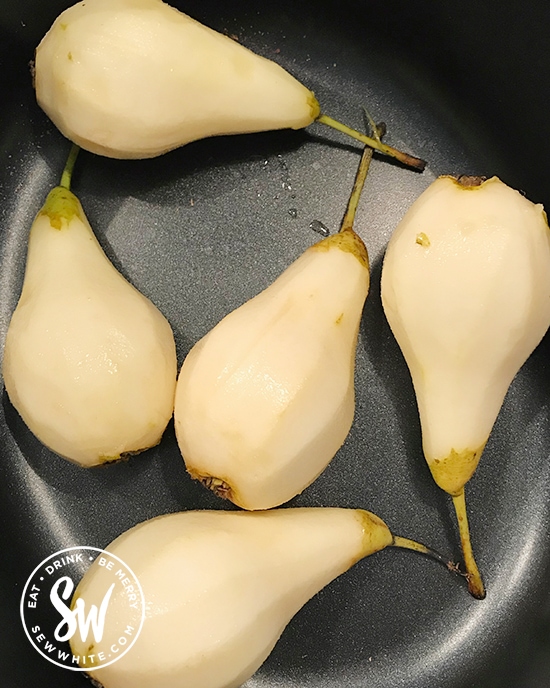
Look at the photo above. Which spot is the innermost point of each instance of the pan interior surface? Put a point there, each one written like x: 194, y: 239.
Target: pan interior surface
x: 206, y: 227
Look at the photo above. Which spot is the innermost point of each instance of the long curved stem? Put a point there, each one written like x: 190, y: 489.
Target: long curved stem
x: 405, y: 543
x: 405, y: 158
x: 69, y: 167
x: 475, y: 583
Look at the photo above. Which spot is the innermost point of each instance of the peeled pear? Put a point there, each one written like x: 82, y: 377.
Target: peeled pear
x: 137, y: 78
x: 89, y: 362
x: 466, y: 291
x: 219, y: 589
x: 265, y: 400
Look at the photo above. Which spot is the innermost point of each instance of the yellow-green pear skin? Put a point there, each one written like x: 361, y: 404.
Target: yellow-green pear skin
x: 466, y: 291
x: 220, y: 587
x: 89, y: 362
x: 265, y: 400
x: 137, y: 78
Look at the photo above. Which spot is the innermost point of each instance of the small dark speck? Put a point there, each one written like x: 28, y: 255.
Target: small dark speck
x: 293, y: 212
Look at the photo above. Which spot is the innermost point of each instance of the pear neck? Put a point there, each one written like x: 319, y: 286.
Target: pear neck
x: 347, y: 241
x: 61, y: 207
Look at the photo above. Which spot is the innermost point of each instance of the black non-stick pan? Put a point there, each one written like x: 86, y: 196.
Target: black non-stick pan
x: 200, y: 230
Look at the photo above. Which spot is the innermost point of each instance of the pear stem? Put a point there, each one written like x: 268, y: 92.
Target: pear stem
x: 359, y: 183
x: 405, y: 158
x: 69, y: 167
x: 405, y: 543
x: 475, y: 583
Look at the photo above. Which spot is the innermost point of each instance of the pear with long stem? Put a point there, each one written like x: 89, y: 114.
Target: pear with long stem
x: 466, y: 290
x: 219, y: 588
x: 89, y: 362
x: 265, y: 400
x: 137, y: 78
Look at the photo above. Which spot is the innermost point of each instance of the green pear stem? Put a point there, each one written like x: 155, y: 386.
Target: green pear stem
x: 405, y: 543
x: 405, y: 158
x: 475, y: 583
x: 360, y: 177
x: 69, y: 167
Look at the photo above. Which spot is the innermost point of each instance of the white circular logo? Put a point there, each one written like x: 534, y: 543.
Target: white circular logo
x: 104, y: 624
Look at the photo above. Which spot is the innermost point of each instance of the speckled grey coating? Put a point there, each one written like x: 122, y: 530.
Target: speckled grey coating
x: 204, y: 228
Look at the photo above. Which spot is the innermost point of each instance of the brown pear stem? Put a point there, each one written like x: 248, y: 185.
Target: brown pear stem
x: 475, y: 583
x: 405, y: 158
x: 69, y: 167
x: 405, y: 543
